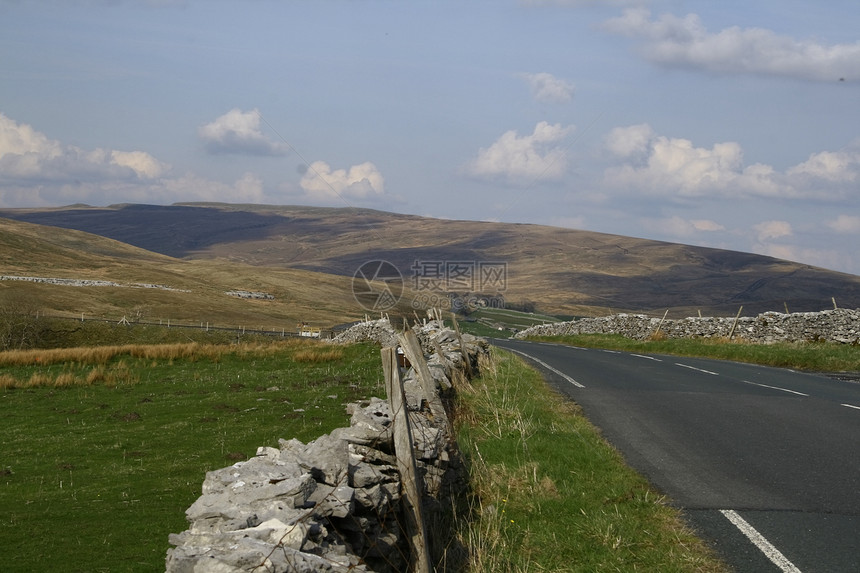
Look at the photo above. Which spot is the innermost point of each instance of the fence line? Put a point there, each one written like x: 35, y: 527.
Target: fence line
x: 203, y: 325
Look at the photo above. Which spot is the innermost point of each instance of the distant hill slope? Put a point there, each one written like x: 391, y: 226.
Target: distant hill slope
x: 564, y: 271
x: 155, y: 287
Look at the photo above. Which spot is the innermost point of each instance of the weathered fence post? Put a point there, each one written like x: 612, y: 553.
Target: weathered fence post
x: 403, y: 448
x: 415, y: 355
x: 463, y: 350
x: 735, y: 323
x: 659, y: 326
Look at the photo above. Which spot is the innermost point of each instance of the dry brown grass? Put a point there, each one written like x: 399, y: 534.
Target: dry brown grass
x: 326, y: 354
x: 106, y: 370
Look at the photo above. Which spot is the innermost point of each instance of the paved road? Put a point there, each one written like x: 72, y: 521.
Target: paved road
x: 764, y: 462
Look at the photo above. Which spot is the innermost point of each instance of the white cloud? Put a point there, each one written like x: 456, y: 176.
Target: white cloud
x: 522, y: 160
x: 849, y: 224
x: 239, y: 132
x: 37, y: 171
x: 659, y: 165
x: 684, y: 42
x: 142, y: 163
x: 28, y: 157
x: 548, y: 88
x: 769, y: 230
x: 629, y: 141
x: 362, y: 181
x: 833, y: 166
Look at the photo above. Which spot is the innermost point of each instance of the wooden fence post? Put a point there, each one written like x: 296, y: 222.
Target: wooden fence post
x: 412, y: 493
x: 412, y: 348
x: 463, y: 350
x: 659, y: 326
x: 735, y: 323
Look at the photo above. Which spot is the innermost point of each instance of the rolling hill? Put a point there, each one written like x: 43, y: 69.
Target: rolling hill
x: 154, y: 287
x: 561, y: 271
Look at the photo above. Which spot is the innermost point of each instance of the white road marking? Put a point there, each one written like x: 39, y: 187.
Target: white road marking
x: 609, y: 351
x: 550, y: 368
x: 851, y: 406
x: 697, y: 369
x: 774, y: 388
x: 648, y: 357
x: 759, y: 541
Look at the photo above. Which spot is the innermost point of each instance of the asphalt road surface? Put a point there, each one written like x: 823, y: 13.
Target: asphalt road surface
x: 764, y: 462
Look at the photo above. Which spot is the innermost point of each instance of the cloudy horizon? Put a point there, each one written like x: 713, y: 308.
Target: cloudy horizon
x: 735, y: 127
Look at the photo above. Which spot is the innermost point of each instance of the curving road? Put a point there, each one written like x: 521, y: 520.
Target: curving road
x: 764, y: 462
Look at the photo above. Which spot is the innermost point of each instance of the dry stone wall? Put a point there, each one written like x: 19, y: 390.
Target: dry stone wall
x: 334, y: 504
x: 838, y: 325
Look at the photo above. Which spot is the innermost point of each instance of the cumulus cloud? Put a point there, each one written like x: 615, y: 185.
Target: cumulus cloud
x: 362, y: 181
x: 239, y: 132
x: 685, y: 42
x: 548, y: 88
x: 522, y: 160
x: 849, y: 224
x: 28, y: 157
x: 769, y: 230
x: 37, y: 171
x: 659, y: 165
x: 833, y: 166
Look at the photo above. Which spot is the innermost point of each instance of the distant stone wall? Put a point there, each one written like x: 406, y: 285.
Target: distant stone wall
x: 86, y: 283
x: 333, y: 504
x: 839, y: 325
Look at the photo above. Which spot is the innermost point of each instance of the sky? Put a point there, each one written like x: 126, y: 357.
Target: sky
x: 731, y: 124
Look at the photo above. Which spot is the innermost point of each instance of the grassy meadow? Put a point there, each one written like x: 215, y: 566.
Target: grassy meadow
x: 103, y: 448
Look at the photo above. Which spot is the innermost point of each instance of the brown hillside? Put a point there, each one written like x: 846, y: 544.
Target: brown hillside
x: 563, y: 270
x: 197, y: 288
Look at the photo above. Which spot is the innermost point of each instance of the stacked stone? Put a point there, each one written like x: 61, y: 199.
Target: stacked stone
x: 379, y: 331
x: 333, y: 504
x: 838, y: 325
x: 250, y: 294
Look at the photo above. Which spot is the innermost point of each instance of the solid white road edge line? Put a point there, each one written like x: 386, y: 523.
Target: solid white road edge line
x: 550, y: 368
x: 648, y: 357
x: 759, y: 541
x: 694, y: 368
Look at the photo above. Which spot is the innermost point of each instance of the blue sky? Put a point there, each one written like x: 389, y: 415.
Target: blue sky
x: 732, y: 124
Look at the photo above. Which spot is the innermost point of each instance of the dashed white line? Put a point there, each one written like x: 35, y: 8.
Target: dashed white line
x: 550, y: 368
x: 696, y: 369
x: 648, y: 357
x: 759, y: 541
x: 851, y: 406
x: 774, y: 388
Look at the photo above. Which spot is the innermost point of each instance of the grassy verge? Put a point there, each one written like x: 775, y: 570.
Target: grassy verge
x: 813, y: 356
x: 550, y: 494
x: 97, y: 470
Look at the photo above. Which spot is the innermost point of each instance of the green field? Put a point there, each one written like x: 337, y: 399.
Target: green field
x: 95, y: 475
x: 502, y: 323
x: 105, y: 446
